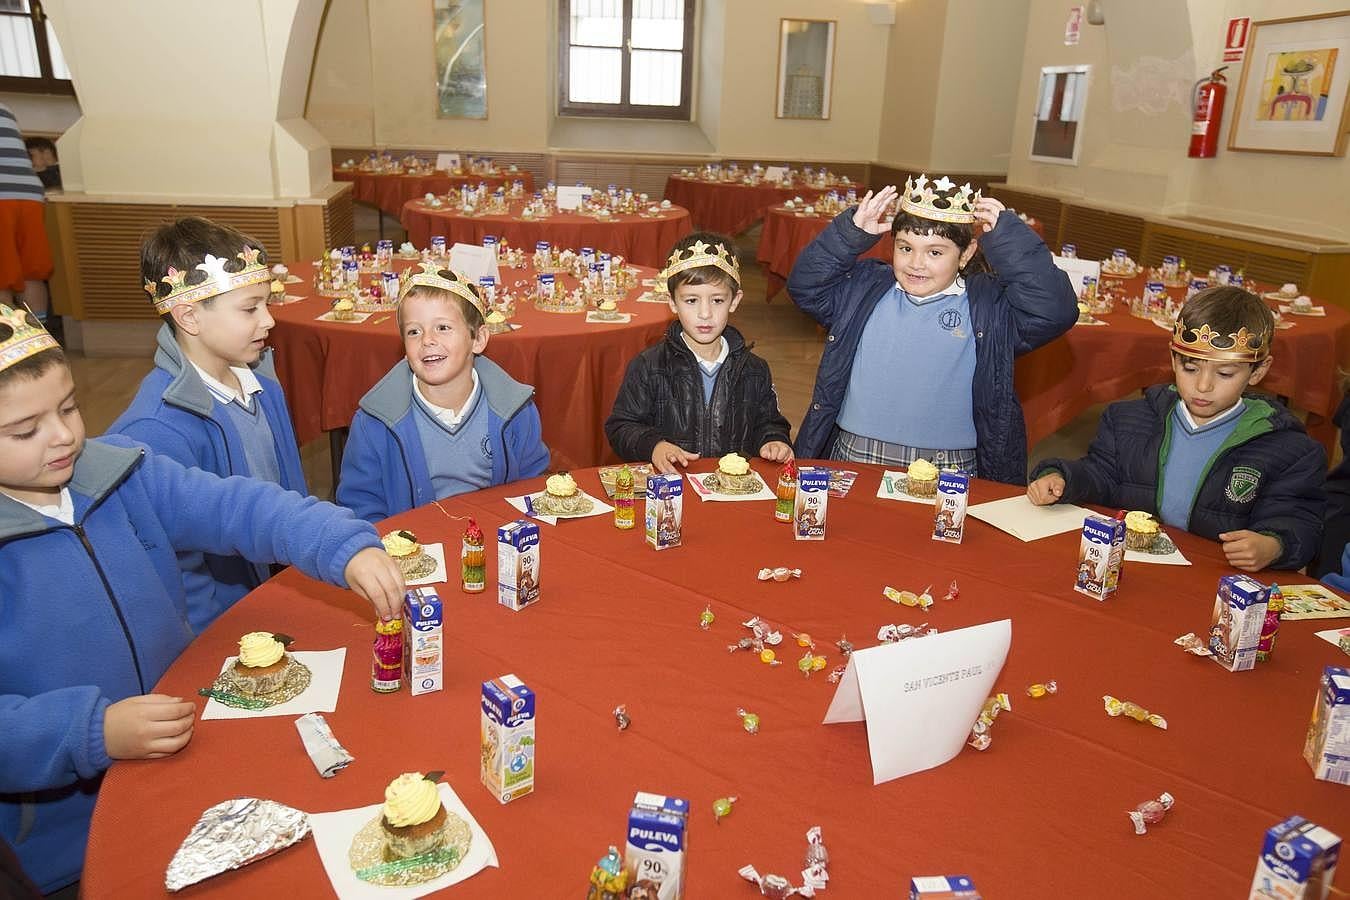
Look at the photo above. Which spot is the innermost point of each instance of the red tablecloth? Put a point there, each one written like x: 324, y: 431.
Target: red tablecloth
x: 641, y: 240
x: 575, y: 368
x: 730, y: 208
x: 786, y: 234
x: 390, y: 192
x: 1042, y: 813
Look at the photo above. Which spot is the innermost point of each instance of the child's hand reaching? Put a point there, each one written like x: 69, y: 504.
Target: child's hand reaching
x: 150, y: 726
x: 1250, y: 551
x: 986, y: 212
x: 373, y: 574
x: 775, y: 451
x: 870, y: 215
x: 1046, y: 490
x: 666, y: 456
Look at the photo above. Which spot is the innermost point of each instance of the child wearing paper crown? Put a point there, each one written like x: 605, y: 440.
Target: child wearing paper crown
x: 92, y: 603
x: 701, y: 391
x: 445, y: 420
x: 1201, y: 454
x: 919, y: 359
x: 213, y: 400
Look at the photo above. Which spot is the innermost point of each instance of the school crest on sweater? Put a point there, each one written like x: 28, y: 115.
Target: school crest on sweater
x: 1242, y: 484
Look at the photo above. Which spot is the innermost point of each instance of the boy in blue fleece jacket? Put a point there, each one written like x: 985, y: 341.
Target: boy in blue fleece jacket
x: 212, y: 400
x: 1199, y: 454
x: 88, y: 534
x: 444, y: 421
x: 919, y: 359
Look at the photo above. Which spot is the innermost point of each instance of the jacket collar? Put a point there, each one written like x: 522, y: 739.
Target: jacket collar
x: 186, y: 389
x: 391, y: 398
x: 100, y: 468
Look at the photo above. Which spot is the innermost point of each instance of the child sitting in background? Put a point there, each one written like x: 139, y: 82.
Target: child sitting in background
x: 701, y: 391
x: 92, y: 604
x: 1199, y: 454
x: 445, y: 420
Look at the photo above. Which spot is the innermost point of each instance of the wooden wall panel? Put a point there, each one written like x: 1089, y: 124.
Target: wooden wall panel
x: 1097, y: 232
x: 1048, y: 210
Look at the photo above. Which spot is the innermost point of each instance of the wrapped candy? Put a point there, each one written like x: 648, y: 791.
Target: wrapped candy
x: 810, y: 663
x: 845, y: 646
x: 837, y: 673
x: 621, y: 716
x: 768, y: 657
x: 1116, y: 708
x: 472, y: 567
x: 386, y: 664
x: 817, y: 857
x: 909, y: 598
x: 1150, y: 812
x: 609, y: 880
x: 744, y: 643
x: 890, y: 634
x: 979, y: 732
x: 953, y: 592
x: 763, y: 632
x: 1040, y: 690
x: 814, y: 877
x: 706, y: 618
x: 749, y: 721
x: 1193, y: 644
x: 722, y: 807
x: 1271, y: 626
x: 804, y: 640
x: 780, y: 573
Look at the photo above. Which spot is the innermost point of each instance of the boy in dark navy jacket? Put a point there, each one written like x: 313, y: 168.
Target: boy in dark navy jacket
x: 445, y: 420
x: 918, y: 363
x: 1202, y: 456
x: 92, y: 603
x: 212, y: 400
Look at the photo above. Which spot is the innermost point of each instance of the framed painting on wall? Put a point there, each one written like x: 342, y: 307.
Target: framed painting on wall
x: 1294, y: 94
x: 461, y: 59
x: 805, y: 68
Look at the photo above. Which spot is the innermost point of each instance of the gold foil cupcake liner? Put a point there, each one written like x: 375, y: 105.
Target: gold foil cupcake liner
x: 576, y: 505
x: 226, y: 689
x: 370, y: 859
x: 422, y: 566
x: 735, y: 485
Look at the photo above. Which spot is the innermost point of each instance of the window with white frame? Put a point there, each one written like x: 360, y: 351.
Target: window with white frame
x: 625, y: 58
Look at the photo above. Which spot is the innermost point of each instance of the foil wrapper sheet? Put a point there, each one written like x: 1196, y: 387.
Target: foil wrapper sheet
x: 233, y: 834
x: 370, y: 859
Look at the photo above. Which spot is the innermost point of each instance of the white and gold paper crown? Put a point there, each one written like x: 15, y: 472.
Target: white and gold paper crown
x: 701, y: 254
x: 217, y: 282
x: 940, y: 200
x: 27, y: 336
x: 1206, y: 343
x: 431, y: 277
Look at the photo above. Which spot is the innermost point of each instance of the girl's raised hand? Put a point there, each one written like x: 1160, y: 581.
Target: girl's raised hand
x: 986, y: 212
x: 871, y: 215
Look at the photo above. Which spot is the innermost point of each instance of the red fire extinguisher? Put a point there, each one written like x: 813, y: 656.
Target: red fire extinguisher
x: 1207, y: 117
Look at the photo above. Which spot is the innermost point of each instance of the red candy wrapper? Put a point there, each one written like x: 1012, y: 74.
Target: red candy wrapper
x: 814, y: 876
x: 1150, y: 812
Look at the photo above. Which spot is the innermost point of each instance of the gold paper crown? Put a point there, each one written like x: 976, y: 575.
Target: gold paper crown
x: 218, y: 281
x: 27, y: 337
x: 701, y: 254
x: 457, y: 284
x: 1206, y: 343
x: 940, y: 200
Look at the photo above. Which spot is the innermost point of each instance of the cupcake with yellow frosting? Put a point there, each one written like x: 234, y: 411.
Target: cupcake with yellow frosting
x: 344, y: 310
x: 562, y: 497
x: 1141, y: 531
x: 409, y: 553
x: 733, y: 476
x: 921, y: 479
x: 497, y: 323
x: 263, y: 664
x: 414, y: 830
x: 413, y: 817
x: 608, y: 311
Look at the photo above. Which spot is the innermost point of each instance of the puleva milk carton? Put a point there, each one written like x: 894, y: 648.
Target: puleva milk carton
x: 1100, y: 554
x: 506, y: 738
x: 943, y: 887
x: 1239, y: 613
x: 665, y: 511
x: 1327, y: 749
x: 518, y: 564
x: 811, y: 504
x: 1298, y: 862
x: 422, y: 640
x: 657, y: 843
x: 949, y: 507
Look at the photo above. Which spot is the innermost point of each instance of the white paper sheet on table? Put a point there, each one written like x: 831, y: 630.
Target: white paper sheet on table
x: 1077, y: 270
x: 474, y: 262
x: 598, y: 508
x: 333, y: 833
x: 892, y: 488
x: 1024, y: 520
x: 1175, y: 558
x: 1333, y: 636
x: 356, y: 319
x: 653, y: 297
x: 325, y: 668
x: 704, y: 493
x: 447, y: 162
x: 921, y: 696
x: 1310, y: 311
x: 436, y: 552
x: 569, y: 197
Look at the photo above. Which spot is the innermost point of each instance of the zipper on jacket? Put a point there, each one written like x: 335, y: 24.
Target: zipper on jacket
x: 112, y: 599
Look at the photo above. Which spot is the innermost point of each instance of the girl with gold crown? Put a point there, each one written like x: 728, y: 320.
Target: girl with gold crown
x: 1202, y: 454
x: 919, y: 359
x: 93, y: 607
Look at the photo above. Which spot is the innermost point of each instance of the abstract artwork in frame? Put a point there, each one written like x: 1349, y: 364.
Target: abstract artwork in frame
x: 461, y: 59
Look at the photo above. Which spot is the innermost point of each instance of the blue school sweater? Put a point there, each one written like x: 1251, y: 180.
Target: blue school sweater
x: 114, y: 577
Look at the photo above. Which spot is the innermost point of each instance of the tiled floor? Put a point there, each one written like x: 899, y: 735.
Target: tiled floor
x: 787, y: 338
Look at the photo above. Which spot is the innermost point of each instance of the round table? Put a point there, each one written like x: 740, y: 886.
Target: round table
x: 730, y: 207
x: 643, y: 240
x: 576, y: 368
x: 786, y: 234
x: 1041, y: 813
x: 389, y: 192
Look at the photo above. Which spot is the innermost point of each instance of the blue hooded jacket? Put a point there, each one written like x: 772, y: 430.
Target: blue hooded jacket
x: 175, y: 414
x: 95, y: 613
x: 1024, y: 303
x: 384, y: 471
